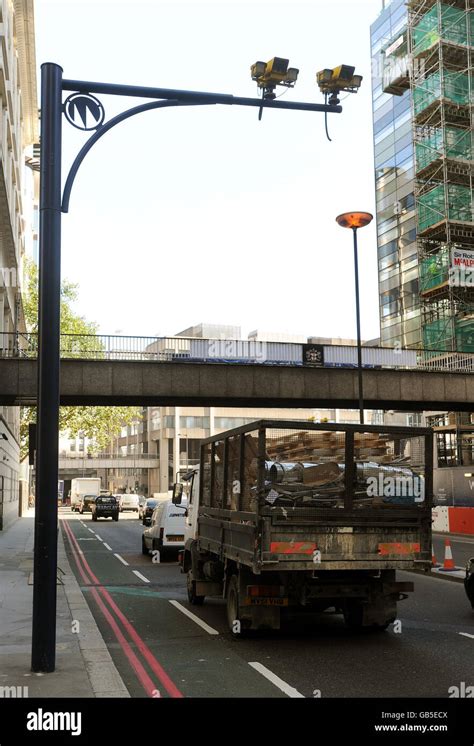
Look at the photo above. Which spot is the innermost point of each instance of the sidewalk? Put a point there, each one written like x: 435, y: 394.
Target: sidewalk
x: 84, y: 667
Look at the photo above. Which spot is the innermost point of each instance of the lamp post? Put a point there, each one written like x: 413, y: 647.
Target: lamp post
x: 355, y: 220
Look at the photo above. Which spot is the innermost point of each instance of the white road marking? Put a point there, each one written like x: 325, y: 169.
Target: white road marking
x: 286, y: 688
x: 92, y: 532
x: 195, y: 619
x: 139, y: 575
x: 106, y: 545
x: 465, y: 634
x: 121, y: 559
x: 100, y: 539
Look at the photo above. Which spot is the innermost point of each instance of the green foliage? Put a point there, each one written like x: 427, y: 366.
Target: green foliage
x: 99, y: 424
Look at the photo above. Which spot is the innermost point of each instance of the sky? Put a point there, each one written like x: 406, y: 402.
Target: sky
x: 206, y: 214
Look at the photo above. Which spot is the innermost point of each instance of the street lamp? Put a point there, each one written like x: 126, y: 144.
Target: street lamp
x: 357, y: 220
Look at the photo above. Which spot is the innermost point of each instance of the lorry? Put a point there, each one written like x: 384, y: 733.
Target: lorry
x: 83, y: 486
x: 285, y: 517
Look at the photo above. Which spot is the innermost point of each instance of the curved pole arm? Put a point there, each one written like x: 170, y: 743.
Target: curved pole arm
x: 105, y: 128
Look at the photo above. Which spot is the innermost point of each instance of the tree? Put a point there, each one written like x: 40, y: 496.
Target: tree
x: 99, y: 424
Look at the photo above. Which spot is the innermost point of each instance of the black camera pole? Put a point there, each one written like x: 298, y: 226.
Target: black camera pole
x: 84, y: 111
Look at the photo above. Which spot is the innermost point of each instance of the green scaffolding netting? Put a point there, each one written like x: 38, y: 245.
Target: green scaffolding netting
x: 434, y: 270
x: 453, y: 86
x: 441, y: 22
x: 445, y: 202
x: 451, y: 142
x: 438, y: 334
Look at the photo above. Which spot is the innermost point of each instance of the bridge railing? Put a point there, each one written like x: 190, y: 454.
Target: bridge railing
x: 168, y: 349
x: 88, y: 457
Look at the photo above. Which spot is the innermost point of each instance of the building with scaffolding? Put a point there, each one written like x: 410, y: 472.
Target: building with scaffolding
x: 423, y: 90
x: 441, y: 36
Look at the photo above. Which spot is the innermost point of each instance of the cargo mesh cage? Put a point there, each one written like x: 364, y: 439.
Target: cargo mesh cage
x: 306, y: 467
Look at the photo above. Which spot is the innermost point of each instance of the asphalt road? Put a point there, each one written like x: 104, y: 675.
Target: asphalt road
x: 462, y: 548
x: 141, y: 609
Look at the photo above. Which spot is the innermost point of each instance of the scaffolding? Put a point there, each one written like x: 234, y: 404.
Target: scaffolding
x: 440, y: 39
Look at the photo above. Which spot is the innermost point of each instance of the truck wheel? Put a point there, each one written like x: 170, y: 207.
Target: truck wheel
x: 145, y: 549
x: 94, y: 517
x: 353, y: 615
x: 191, y: 587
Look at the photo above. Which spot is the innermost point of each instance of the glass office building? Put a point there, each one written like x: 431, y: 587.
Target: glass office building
x: 400, y: 322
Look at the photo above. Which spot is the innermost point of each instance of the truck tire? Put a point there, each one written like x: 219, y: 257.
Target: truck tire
x: 145, y: 550
x: 94, y: 517
x: 354, y: 619
x: 353, y: 615
x: 191, y: 588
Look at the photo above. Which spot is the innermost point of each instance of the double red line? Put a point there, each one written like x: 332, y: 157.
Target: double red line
x: 109, y: 608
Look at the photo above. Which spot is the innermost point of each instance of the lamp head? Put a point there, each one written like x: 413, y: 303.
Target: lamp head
x: 354, y: 219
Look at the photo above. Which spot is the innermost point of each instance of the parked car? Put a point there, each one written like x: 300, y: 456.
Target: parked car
x: 86, y: 502
x: 146, y: 510
x: 105, y: 506
x: 166, y: 531
x: 129, y: 502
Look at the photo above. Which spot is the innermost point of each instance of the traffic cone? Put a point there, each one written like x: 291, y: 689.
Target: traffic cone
x: 434, y: 561
x: 448, y: 565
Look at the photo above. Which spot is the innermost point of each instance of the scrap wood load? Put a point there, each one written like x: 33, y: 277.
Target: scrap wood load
x: 307, y: 469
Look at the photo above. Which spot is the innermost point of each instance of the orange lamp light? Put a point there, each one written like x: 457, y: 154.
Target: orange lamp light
x: 354, y: 219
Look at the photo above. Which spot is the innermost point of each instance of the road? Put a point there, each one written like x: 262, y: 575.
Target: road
x: 462, y: 548
x: 142, y: 611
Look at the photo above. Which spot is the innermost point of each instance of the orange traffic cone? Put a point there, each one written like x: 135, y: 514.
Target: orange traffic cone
x: 434, y: 561
x: 448, y: 564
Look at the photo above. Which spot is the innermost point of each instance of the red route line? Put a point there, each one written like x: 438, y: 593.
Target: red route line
x: 165, y: 680
x: 142, y: 675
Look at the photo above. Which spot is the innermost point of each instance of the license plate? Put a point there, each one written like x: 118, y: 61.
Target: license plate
x: 249, y: 601
x: 175, y: 538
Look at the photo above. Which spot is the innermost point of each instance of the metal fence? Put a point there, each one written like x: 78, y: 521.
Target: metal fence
x: 186, y: 349
x: 88, y: 457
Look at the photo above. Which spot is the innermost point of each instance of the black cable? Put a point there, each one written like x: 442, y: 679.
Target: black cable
x: 326, y: 118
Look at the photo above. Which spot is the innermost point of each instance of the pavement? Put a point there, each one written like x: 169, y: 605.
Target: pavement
x: 84, y: 667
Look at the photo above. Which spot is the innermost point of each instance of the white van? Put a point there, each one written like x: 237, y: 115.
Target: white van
x: 166, y: 531
x: 129, y: 502
x: 83, y: 486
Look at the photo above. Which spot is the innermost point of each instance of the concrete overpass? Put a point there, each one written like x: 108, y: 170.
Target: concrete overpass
x: 108, y: 383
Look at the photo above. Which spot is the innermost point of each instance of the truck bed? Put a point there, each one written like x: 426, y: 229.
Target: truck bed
x: 329, y: 520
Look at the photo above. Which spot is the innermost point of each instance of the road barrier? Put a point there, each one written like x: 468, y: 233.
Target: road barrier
x: 453, y: 520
